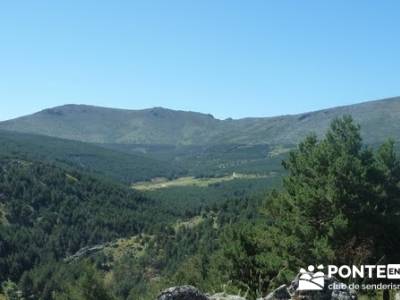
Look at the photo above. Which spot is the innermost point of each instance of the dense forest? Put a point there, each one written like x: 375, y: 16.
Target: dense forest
x: 48, y: 214
x: 88, y: 158
x: 65, y: 234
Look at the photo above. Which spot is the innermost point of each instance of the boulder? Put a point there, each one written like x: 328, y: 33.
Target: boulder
x: 185, y: 292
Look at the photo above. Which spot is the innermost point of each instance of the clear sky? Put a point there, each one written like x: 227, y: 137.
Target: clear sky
x: 229, y: 58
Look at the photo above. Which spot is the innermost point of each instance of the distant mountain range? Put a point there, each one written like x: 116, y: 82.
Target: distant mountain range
x: 379, y: 120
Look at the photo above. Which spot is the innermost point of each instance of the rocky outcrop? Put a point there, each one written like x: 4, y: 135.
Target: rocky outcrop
x: 185, y: 292
x: 188, y: 292
x: 333, y: 290
x: 83, y: 252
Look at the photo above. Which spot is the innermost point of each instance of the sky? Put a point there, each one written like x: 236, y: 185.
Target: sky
x: 228, y: 58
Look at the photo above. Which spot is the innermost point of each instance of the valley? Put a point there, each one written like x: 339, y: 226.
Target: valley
x: 199, y: 150
x: 135, y: 218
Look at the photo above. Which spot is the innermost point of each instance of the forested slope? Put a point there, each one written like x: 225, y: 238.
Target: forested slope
x: 338, y: 205
x: 120, y: 166
x: 48, y: 213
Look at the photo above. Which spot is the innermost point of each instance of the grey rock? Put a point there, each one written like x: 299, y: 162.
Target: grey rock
x: 84, y: 252
x: 339, y: 292
x: 185, y: 292
x: 333, y: 290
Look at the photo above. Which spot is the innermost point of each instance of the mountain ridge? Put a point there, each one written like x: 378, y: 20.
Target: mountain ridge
x: 380, y: 119
x: 161, y: 108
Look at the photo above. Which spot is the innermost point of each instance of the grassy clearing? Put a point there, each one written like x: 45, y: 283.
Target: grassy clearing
x: 195, y: 221
x: 191, y: 223
x: 134, y: 246
x: 160, y: 183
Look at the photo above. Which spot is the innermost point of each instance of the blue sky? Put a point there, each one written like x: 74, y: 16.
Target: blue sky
x: 229, y: 58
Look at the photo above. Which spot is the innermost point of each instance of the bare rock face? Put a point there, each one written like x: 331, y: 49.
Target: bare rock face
x: 185, y: 292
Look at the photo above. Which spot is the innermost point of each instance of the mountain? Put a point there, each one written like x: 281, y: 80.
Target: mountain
x: 107, y: 125
x: 379, y: 120
x: 120, y: 166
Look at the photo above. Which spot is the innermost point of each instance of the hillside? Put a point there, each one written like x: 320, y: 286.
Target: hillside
x: 48, y: 213
x: 124, y: 167
x: 107, y: 125
x: 378, y: 119
x: 65, y: 233
x: 52, y: 218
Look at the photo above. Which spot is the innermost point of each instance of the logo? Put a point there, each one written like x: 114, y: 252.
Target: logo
x: 310, y: 281
x: 313, y: 279
x: 390, y: 271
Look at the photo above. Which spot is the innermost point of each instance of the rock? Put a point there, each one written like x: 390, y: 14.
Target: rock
x: 188, y: 292
x: 338, y: 292
x: 333, y: 290
x: 185, y: 292
x: 83, y: 252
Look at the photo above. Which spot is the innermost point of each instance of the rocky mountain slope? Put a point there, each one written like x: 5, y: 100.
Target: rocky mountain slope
x: 378, y: 119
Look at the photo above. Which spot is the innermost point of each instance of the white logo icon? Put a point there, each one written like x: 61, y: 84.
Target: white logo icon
x: 309, y: 281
